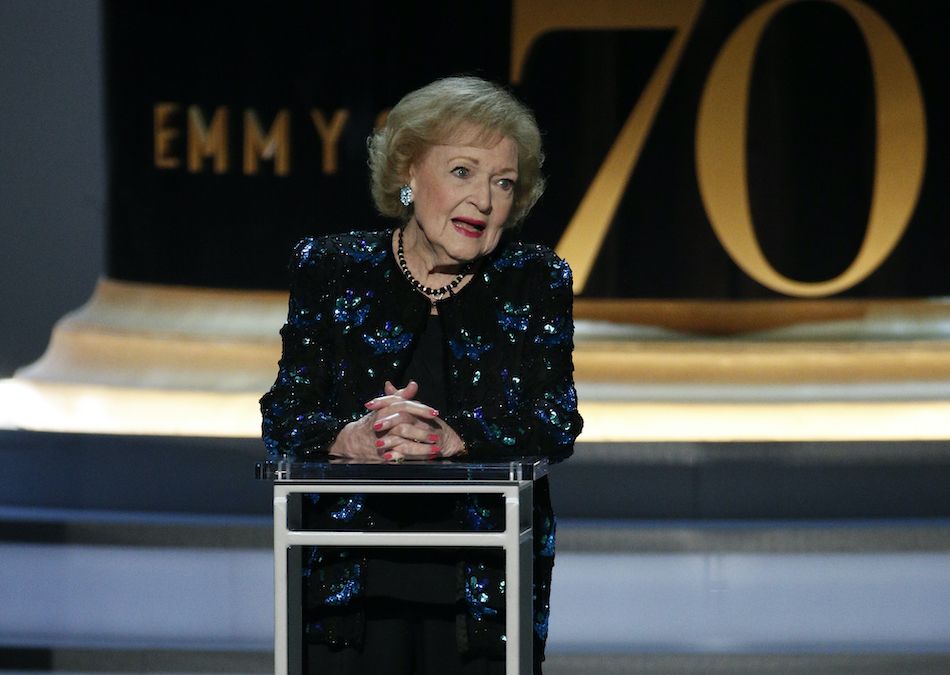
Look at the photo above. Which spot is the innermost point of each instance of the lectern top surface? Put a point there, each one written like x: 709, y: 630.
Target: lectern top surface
x: 522, y: 468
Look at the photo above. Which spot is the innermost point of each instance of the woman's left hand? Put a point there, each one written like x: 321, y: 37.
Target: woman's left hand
x: 408, y: 438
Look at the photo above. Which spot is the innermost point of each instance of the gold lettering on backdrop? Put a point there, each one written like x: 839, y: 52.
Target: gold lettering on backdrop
x: 207, y: 140
x: 164, y: 134
x: 585, y: 233
x: 330, y: 135
x: 721, y: 150
x: 273, y: 146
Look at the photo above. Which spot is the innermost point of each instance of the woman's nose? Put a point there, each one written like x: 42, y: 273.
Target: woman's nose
x: 481, y: 197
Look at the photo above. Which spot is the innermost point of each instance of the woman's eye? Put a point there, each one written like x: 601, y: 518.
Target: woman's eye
x: 460, y: 172
x: 506, y: 184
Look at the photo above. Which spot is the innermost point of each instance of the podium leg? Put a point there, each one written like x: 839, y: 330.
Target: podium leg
x: 519, y: 580
x: 280, y: 583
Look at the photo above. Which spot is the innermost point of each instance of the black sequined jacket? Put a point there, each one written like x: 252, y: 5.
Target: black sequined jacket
x: 352, y: 323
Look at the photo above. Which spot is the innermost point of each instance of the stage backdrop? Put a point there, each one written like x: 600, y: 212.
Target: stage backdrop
x: 717, y: 150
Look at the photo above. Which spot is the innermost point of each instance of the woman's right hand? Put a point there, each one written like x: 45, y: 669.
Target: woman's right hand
x: 404, y: 440
x: 394, y: 413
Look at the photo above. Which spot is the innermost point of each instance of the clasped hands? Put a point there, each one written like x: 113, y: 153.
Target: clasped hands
x: 396, y: 428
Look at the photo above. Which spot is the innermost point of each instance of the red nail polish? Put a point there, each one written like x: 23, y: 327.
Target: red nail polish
x: 378, y: 426
x: 433, y: 438
x: 369, y: 405
x: 436, y: 450
x: 388, y: 455
x: 380, y: 443
x: 435, y: 413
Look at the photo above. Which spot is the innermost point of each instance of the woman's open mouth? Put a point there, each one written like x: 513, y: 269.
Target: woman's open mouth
x: 469, y: 227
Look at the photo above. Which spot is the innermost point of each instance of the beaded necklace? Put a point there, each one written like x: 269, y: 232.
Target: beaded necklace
x: 434, y: 294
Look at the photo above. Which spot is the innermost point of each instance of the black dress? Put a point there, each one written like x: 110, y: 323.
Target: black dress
x: 507, y: 338
x: 410, y: 601
x: 419, y: 575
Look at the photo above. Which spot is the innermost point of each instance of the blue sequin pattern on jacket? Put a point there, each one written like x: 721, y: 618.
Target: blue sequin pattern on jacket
x: 352, y: 324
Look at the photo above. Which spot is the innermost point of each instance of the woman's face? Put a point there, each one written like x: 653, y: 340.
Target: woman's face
x: 463, y: 194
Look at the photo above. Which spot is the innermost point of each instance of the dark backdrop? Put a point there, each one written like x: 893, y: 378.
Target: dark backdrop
x: 811, y: 137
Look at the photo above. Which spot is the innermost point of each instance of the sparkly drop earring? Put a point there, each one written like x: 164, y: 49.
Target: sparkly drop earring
x: 405, y: 195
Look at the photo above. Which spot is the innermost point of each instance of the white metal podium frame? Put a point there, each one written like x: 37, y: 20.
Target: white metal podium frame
x: 516, y: 540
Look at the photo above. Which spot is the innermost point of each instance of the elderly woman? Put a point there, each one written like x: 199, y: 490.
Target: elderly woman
x: 441, y: 338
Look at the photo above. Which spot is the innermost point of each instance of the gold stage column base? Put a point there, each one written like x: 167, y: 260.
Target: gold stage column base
x: 132, y: 335
x: 90, y: 408
x: 43, y: 406
x: 149, y: 359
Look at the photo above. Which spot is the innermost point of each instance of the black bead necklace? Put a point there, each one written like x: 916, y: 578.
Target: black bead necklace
x: 433, y: 294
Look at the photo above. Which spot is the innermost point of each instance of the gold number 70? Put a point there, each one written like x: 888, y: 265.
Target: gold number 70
x: 721, y: 164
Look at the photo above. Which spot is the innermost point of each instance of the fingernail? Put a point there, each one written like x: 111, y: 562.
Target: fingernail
x: 435, y: 413
x: 433, y: 438
x: 369, y: 405
x: 378, y: 426
x: 436, y: 450
x: 380, y: 443
x: 388, y: 455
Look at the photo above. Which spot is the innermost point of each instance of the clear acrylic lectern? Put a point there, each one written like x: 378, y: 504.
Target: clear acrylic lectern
x: 512, y: 481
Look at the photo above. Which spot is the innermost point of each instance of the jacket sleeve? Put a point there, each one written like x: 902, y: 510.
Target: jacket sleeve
x: 536, y: 412
x: 298, y: 419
